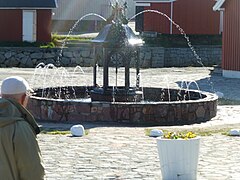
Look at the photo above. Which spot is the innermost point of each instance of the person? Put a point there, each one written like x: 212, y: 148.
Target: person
x: 20, y: 156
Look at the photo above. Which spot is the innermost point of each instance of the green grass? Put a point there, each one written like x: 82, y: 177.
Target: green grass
x: 58, y: 40
x: 197, y: 131
x: 223, y: 101
x: 56, y: 132
x: 60, y: 132
x: 164, y: 40
x: 70, y: 37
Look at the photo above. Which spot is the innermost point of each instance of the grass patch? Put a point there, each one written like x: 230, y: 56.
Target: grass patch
x: 197, y: 131
x: 48, y: 45
x: 58, y: 40
x: 164, y: 40
x: 62, y: 132
x: 222, y: 101
x: 57, y: 37
x: 56, y: 132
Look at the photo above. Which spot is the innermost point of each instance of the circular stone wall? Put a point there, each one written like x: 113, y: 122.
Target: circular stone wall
x: 156, y: 109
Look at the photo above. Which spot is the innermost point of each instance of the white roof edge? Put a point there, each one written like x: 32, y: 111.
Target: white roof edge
x: 33, y: 8
x: 218, y: 5
x: 142, y: 4
x: 149, y: 1
x: 27, y: 8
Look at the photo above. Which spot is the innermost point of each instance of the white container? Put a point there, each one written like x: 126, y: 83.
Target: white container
x: 178, y: 158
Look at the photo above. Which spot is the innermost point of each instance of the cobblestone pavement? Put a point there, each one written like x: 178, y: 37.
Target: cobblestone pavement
x: 115, y: 151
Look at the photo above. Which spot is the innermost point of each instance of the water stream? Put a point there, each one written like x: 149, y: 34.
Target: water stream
x: 71, y: 30
x: 199, y: 60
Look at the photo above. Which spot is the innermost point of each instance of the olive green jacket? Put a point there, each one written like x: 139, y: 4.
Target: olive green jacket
x: 20, y: 157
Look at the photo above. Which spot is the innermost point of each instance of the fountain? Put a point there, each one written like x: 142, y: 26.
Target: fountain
x: 117, y: 46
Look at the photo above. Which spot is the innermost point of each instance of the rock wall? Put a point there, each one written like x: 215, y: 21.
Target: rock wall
x: 150, y: 57
x: 209, y: 55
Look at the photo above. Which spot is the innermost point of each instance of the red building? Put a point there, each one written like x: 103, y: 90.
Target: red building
x: 26, y: 20
x: 231, y: 37
x: 193, y: 16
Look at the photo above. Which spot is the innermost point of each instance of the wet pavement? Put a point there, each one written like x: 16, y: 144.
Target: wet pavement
x: 117, y: 151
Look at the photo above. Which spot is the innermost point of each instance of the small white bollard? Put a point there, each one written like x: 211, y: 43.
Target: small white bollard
x: 77, y: 130
x: 156, y: 133
x: 234, y: 132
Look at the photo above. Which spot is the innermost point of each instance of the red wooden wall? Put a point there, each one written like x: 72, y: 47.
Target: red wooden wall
x: 231, y: 36
x: 44, y: 18
x: 193, y: 16
x: 156, y: 22
x: 10, y: 25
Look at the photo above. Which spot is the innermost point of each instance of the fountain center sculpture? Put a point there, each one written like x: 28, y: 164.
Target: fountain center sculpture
x: 118, y: 46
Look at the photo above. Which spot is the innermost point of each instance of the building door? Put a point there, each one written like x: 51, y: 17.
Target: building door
x: 29, y: 25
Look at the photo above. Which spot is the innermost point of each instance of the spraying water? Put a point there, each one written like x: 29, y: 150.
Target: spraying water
x: 199, y: 60
x: 71, y: 30
x: 178, y: 27
x: 196, y: 84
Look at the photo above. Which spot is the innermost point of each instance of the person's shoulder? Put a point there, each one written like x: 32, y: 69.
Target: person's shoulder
x: 24, y: 127
x: 7, y: 108
x: 4, y: 102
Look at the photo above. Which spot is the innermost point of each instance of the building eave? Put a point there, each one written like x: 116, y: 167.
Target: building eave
x: 218, y: 5
x: 153, y: 1
x: 29, y: 4
x: 4, y: 8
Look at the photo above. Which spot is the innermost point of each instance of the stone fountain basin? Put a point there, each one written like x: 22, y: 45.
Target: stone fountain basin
x: 156, y: 109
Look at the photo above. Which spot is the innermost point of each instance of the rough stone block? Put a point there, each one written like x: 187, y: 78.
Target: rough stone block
x: 37, y: 55
x: 68, y: 54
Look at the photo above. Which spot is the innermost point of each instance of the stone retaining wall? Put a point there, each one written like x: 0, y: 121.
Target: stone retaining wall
x: 150, y: 57
x: 210, y: 55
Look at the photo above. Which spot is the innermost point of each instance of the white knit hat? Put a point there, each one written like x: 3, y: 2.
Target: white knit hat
x: 15, y: 85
